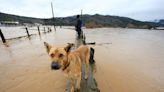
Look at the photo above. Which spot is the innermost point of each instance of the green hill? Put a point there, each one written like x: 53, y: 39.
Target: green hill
x: 90, y: 21
x: 20, y: 19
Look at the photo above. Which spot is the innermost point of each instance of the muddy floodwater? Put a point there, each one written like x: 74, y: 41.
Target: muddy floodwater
x: 127, y: 60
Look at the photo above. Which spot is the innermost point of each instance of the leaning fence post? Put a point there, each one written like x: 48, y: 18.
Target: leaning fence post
x: 27, y: 32
x: 44, y: 30
x: 2, y: 37
x: 48, y: 29
x: 38, y: 30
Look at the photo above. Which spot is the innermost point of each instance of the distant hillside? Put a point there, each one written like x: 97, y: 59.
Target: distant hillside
x: 20, y: 19
x: 161, y: 22
x: 90, y: 21
x: 116, y: 21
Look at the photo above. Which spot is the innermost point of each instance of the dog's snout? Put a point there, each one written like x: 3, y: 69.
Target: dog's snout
x: 55, y: 66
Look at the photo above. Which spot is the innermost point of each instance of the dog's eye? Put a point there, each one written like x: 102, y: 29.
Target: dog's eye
x: 52, y: 55
x: 61, y: 55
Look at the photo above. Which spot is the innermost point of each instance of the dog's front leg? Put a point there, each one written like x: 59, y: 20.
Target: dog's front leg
x: 87, y: 66
x: 86, y: 70
x: 73, y: 85
x: 78, y: 82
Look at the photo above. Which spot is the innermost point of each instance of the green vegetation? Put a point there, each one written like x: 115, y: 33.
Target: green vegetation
x: 90, y: 21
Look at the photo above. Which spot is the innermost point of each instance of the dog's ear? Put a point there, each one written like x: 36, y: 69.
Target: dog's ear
x: 68, y: 47
x: 48, y: 47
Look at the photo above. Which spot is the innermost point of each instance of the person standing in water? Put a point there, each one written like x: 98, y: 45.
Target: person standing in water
x: 78, y: 26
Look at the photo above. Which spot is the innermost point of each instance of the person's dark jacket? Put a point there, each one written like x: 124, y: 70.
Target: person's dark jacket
x: 78, y: 25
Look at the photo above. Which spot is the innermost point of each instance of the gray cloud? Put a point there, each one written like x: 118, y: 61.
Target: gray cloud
x: 137, y: 9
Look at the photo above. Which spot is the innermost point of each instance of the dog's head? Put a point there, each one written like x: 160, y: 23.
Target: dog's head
x: 58, y: 55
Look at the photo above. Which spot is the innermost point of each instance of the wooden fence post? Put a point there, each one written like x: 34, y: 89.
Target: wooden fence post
x: 27, y: 32
x: 48, y: 29
x: 38, y: 30
x: 44, y: 30
x: 2, y: 37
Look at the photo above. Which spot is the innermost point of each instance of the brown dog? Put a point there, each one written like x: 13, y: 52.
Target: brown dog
x: 70, y: 62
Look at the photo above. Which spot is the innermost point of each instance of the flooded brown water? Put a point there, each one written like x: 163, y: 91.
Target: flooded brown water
x: 128, y: 60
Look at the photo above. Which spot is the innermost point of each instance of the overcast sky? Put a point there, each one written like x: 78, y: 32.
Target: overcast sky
x: 144, y: 10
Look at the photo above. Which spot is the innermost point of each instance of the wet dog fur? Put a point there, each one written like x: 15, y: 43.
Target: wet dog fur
x: 70, y: 62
